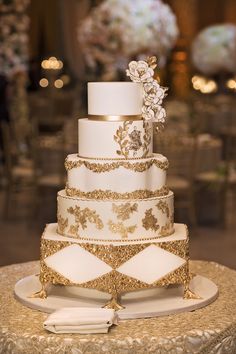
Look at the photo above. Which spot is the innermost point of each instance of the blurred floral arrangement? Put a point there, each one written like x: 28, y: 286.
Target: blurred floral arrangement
x: 214, y: 50
x: 14, y: 25
x: 118, y: 31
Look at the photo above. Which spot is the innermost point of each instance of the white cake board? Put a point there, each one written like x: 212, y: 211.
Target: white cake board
x: 138, y: 304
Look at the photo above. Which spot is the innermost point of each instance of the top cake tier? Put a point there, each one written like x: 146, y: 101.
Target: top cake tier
x: 117, y: 99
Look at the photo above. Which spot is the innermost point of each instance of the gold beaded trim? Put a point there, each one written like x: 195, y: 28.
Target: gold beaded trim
x: 110, y: 195
x: 107, y: 167
x: 114, y: 158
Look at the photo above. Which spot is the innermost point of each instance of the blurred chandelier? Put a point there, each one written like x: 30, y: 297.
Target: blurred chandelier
x: 51, y: 68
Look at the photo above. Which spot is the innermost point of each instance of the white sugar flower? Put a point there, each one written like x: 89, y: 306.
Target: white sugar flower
x: 147, y: 113
x: 154, y: 93
x: 160, y: 115
x: 139, y: 71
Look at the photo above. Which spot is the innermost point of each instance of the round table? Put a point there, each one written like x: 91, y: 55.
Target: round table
x: 208, y: 330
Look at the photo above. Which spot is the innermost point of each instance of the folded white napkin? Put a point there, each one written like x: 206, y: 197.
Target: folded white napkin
x: 82, y: 320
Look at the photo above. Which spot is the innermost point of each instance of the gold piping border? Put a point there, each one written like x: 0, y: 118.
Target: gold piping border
x: 169, y: 195
x: 111, y: 195
x: 107, y: 167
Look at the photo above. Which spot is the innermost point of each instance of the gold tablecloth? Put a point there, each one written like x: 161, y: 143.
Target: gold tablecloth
x: 208, y: 330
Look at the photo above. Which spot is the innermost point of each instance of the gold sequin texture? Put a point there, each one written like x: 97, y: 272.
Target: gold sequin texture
x: 62, y: 223
x: 167, y: 229
x: 82, y: 216
x: 150, y: 221
x: 163, y: 206
x: 123, y: 211
x: 111, y: 195
x: 120, y: 228
x: 211, y: 329
x: 107, y: 167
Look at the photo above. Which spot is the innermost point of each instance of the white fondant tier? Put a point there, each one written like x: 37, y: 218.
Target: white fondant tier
x: 80, y: 261
x: 108, y: 179
x: 115, y: 98
x: 115, y: 220
x: 115, y: 140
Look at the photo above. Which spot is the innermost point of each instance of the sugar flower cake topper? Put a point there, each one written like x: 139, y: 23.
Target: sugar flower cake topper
x: 143, y: 72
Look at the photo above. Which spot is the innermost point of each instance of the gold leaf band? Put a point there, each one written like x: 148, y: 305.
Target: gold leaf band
x: 114, y: 118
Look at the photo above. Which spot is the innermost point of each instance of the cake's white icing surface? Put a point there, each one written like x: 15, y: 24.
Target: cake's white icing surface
x: 97, y: 139
x: 115, y: 98
x: 115, y: 220
x: 120, y: 180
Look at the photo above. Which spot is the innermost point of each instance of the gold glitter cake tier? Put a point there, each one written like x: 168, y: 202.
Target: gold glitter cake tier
x: 115, y: 267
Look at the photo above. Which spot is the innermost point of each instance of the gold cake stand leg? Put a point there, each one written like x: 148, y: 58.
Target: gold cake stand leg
x: 113, y: 303
x: 42, y: 294
x: 188, y: 294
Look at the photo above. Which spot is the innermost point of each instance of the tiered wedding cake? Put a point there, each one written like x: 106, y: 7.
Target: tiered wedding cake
x: 115, y: 229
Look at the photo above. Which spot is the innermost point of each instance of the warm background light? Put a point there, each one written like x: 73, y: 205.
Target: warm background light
x: 58, y: 83
x: 43, y: 82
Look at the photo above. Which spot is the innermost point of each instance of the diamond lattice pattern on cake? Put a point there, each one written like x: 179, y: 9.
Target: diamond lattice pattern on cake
x: 151, y: 264
x: 77, y: 264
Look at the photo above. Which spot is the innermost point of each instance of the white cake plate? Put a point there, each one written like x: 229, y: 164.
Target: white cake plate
x: 138, y: 304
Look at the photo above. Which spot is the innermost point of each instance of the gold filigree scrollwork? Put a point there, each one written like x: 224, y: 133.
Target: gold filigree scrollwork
x: 163, y: 206
x: 82, y: 216
x: 167, y: 229
x: 150, y: 221
x: 121, y: 137
x: 147, y: 138
x: 97, y: 167
x: 111, y: 195
x: 123, y: 211
x: 120, y: 228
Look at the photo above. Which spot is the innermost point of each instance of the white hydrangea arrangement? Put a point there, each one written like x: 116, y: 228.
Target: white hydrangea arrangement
x: 143, y: 72
x: 118, y: 31
x: 214, y: 50
x: 14, y: 26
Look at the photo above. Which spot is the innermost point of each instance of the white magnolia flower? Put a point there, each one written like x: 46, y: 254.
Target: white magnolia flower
x: 139, y: 71
x: 147, y: 113
x: 154, y: 93
x: 161, y: 115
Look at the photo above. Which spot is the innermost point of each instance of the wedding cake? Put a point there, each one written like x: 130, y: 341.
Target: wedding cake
x: 115, y: 228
